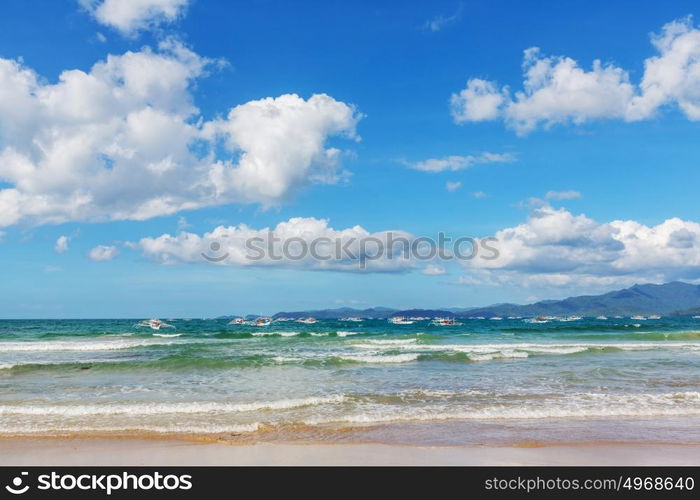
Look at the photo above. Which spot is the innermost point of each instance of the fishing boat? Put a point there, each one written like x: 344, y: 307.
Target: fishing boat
x: 307, y: 321
x: 237, y: 321
x: 263, y: 321
x: 153, y: 324
x: 400, y: 320
x: 444, y: 322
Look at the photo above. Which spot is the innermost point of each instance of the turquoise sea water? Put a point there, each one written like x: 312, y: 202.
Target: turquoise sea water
x: 479, y: 382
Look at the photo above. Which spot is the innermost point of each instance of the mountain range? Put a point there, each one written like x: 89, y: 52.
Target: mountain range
x: 675, y: 298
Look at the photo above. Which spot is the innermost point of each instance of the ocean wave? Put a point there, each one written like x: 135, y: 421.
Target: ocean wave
x: 398, y: 358
x: 167, y: 335
x: 66, y: 345
x: 141, y: 409
x: 578, y: 406
x: 183, y: 428
x: 342, y: 333
x: 276, y: 334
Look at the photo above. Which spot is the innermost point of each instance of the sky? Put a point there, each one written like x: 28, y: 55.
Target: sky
x: 135, y: 134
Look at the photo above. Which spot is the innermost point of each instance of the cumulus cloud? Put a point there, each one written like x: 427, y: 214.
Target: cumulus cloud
x: 555, y: 247
x: 302, y: 243
x: 563, y: 195
x: 453, y: 163
x: 479, y: 194
x: 131, y: 16
x: 61, y: 244
x: 434, y: 270
x: 558, y: 90
x: 125, y: 140
x: 453, y: 186
x: 102, y: 253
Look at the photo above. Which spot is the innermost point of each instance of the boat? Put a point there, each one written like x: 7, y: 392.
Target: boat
x: 537, y: 320
x: 400, y: 320
x: 353, y: 319
x: 263, y: 321
x: 307, y: 321
x: 601, y: 317
x: 495, y: 318
x: 696, y: 317
x: 237, y: 321
x: 570, y: 318
x: 654, y: 316
x: 445, y: 322
x: 153, y: 324
x: 638, y: 318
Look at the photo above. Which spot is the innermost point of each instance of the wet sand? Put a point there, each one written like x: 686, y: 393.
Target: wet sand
x: 163, y: 452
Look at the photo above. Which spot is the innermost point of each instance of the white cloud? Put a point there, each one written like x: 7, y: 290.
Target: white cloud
x: 248, y: 247
x: 61, y: 244
x: 102, y: 253
x: 563, y: 195
x: 434, y: 270
x: 437, y: 23
x: 453, y: 186
x: 453, y: 163
x: 130, y: 16
x: 479, y: 194
x: 556, y: 248
x: 557, y: 90
x: 124, y: 140
x: 478, y: 101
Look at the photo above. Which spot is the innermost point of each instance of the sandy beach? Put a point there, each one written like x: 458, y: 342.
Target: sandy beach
x: 152, y: 452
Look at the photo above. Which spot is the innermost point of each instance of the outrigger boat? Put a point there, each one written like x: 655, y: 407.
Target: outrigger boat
x: 400, y: 320
x: 153, y: 324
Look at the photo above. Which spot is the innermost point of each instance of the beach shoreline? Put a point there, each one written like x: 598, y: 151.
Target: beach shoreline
x: 168, y: 451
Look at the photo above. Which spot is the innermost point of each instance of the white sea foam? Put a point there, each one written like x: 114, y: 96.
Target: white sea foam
x: 498, y: 355
x: 345, y: 334
x: 183, y: 428
x: 575, y: 406
x: 398, y: 358
x: 506, y: 349
x: 277, y: 334
x: 139, y: 409
x: 167, y: 335
x: 80, y: 345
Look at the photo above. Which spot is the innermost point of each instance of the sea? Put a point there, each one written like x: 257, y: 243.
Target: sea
x: 481, y: 382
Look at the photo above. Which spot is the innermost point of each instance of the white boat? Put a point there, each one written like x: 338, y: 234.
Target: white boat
x: 570, y: 318
x: 353, y: 319
x: 696, y: 317
x: 400, y: 320
x: 537, y: 320
x: 307, y: 321
x: 237, y: 321
x: 153, y: 324
x: 445, y: 322
x: 638, y: 318
x: 264, y: 321
x: 495, y: 318
x: 654, y: 316
x: 601, y: 317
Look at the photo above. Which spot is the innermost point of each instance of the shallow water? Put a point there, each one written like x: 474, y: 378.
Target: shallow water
x: 479, y: 382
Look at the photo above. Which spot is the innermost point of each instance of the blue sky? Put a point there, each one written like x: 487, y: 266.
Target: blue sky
x: 623, y: 151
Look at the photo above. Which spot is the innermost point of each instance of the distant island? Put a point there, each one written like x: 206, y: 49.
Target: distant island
x: 670, y: 299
